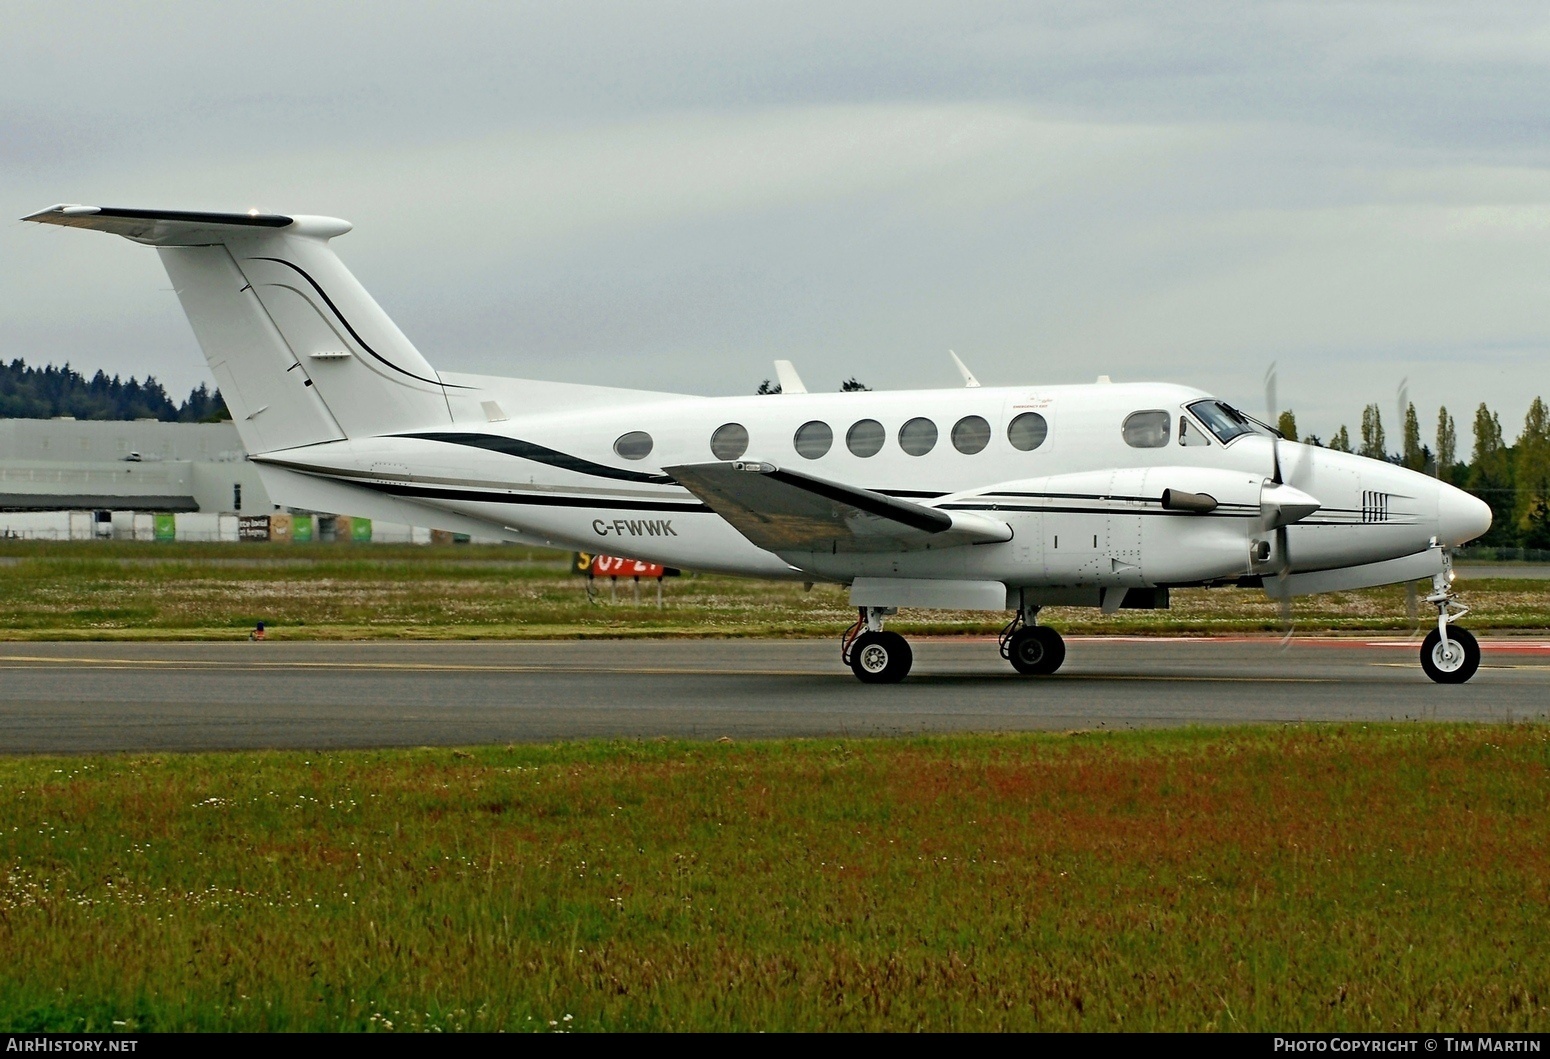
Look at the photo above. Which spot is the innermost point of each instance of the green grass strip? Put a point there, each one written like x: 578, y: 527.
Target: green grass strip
x: 126, y: 591
x: 1346, y: 877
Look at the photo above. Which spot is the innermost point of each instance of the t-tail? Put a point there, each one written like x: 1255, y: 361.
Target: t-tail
x: 301, y: 353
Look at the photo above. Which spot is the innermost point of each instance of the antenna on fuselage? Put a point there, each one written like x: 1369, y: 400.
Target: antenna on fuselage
x: 790, y: 381
x: 963, y: 369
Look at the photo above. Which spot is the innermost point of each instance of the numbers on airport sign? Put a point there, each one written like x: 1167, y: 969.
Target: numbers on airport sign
x: 616, y: 566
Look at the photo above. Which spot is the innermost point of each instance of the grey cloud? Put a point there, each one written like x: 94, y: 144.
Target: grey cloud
x: 672, y: 194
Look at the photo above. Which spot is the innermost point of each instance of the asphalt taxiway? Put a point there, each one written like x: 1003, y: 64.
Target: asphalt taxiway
x: 88, y: 697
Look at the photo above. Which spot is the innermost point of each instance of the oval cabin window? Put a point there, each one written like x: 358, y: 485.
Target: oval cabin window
x: 866, y: 438
x: 918, y: 436
x: 636, y: 445
x: 1147, y: 430
x: 813, y: 440
x: 970, y: 435
x: 729, y: 442
x: 1027, y: 432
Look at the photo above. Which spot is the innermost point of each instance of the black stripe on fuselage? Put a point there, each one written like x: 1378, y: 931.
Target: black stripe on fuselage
x: 527, y: 450
x: 1066, y: 509
x: 1076, y: 496
x: 485, y: 496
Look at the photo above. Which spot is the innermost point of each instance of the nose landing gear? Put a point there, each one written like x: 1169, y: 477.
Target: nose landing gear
x: 1450, y: 661
x: 876, y: 656
x: 1449, y: 656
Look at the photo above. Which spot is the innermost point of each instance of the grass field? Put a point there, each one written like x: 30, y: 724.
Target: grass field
x: 215, y: 591
x: 1354, y: 877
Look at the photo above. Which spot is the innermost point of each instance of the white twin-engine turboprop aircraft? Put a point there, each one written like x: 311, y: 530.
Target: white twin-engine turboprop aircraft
x: 1011, y: 498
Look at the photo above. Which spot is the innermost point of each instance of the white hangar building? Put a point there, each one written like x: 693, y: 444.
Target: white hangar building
x: 146, y: 465
x: 74, y: 479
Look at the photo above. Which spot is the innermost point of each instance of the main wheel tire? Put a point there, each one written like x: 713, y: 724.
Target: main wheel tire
x: 1455, y: 664
x: 881, y: 657
x: 1036, y: 650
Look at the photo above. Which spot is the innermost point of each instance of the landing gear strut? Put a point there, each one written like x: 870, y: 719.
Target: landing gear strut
x: 1033, y: 650
x: 875, y: 656
x: 1449, y: 656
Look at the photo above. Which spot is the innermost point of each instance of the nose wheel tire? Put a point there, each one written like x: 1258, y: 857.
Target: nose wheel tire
x: 1453, y: 662
x: 881, y: 657
x: 1036, y: 650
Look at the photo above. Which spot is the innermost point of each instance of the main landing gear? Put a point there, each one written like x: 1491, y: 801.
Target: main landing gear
x: 880, y: 657
x: 875, y: 656
x: 1033, y: 650
x: 1449, y: 656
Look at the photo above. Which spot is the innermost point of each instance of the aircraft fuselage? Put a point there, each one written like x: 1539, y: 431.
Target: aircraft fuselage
x: 1083, y: 503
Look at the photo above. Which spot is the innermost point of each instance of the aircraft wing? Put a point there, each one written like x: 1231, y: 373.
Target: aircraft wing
x: 787, y: 511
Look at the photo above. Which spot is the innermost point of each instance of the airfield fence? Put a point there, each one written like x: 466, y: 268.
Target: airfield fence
x: 1502, y: 555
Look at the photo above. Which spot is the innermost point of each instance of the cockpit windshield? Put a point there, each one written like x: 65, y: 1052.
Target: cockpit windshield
x: 1226, y: 422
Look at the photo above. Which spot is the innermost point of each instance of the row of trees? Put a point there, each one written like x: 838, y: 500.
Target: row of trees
x: 42, y: 393
x: 850, y: 385
x: 1514, y: 479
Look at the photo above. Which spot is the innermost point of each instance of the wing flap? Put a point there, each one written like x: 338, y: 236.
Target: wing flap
x: 787, y: 511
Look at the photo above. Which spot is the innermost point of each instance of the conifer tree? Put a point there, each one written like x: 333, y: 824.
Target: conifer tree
x: 1414, y: 455
x: 42, y: 393
x: 1531, y: 469
x: 1447, y: 444
x: 1286, y: 423
x: 1490, y: 476
x: 1374, y: 445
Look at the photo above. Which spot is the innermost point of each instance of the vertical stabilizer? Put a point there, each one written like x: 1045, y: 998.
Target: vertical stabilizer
x: 266, y: 392
x: 299, y: 349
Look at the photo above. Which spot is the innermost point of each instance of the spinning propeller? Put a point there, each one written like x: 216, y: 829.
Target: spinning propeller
x: 1282, y: 548
x: 1283, y: 502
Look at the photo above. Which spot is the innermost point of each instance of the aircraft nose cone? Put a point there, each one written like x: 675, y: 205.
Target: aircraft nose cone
x: 1461, y: 517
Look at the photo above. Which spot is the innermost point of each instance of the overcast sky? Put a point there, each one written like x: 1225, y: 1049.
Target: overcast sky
x: 670, y: 195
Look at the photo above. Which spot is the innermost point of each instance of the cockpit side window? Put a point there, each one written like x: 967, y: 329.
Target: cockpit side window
x: 1225, y: 421
x: 1190, y: 434
x: 1147, y: 430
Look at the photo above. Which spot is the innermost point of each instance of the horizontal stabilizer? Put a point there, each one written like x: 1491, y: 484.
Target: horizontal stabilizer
x: 301, y: 353
x: 184, y: 227
x: 787, y: 511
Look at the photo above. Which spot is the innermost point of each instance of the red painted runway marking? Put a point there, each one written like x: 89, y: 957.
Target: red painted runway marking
x: 1411, y: 643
